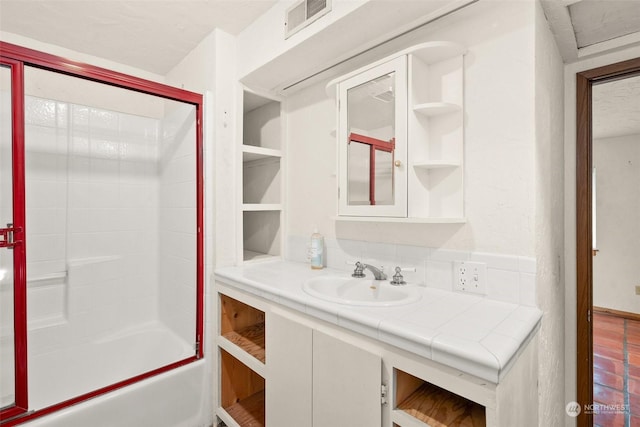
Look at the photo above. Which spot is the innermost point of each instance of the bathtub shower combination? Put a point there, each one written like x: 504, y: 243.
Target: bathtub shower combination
x: 111, y: 235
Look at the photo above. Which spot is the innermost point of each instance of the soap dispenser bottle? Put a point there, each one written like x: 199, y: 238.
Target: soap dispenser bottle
x: 316, y: 250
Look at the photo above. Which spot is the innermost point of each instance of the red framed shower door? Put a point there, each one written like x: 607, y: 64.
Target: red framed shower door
x: 15, y: 58
x: 12, y: 239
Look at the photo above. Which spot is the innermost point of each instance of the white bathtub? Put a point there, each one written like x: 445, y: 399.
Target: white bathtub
x: 172, y: 399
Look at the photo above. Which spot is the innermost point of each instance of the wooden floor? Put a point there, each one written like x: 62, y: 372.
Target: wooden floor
x: 616, y: 370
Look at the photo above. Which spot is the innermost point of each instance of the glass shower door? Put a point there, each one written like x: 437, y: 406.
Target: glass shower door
x: 13, y: 393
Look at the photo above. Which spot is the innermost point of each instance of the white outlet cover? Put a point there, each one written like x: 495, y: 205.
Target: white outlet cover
x: 470, y: 277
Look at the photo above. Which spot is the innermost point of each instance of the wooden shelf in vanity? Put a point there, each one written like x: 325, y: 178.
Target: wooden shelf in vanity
x: 250, y: 340
x: 249, y: 412
x: 243, y: 326
x: 433, y: 405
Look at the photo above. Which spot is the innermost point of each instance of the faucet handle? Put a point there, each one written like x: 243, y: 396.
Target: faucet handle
x: 397, y: 278
x: 359, y: 270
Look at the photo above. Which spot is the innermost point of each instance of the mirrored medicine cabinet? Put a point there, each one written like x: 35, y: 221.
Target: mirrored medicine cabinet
x: 400, y: 137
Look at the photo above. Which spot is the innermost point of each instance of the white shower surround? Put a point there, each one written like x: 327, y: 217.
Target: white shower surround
x: 111, y: 229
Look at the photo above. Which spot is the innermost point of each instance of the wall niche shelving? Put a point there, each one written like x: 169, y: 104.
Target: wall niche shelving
x: 261, y: 154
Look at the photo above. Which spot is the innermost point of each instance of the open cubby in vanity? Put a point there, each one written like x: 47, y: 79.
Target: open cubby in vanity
x: 432, y: 405
x: 241, y: 347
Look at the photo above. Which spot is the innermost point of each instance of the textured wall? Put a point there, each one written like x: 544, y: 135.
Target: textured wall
x: 549, y: 225
x: 499, y: 142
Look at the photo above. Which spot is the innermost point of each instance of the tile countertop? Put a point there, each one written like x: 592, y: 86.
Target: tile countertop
x: 470, y: 333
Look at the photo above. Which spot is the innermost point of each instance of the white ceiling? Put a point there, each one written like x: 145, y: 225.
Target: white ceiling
x: 153, y: 35
x: 588, y: 27
x: 595, y: 21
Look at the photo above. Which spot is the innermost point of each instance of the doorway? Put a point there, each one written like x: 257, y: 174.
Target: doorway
x: 586, y: 244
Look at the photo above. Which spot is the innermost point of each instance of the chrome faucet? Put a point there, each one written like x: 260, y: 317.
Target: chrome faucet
x: 378, y: 274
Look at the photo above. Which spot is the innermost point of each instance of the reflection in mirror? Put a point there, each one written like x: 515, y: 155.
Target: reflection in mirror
x: 371, y: 119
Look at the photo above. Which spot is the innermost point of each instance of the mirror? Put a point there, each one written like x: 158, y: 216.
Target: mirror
x: 371, y: 142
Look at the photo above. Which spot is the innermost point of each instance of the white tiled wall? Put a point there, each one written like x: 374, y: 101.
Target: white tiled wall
x: 92, y: 197
x: 509, y: 278
x: 177, y: 220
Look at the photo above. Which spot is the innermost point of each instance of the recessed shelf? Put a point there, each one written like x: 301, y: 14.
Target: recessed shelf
x: 253, y: 256
x: 256, y: 207
x: 436, y: 164
x: 431, y: 109
x: 252, y: 152
x: 435, y: 220
x: 261, y: 178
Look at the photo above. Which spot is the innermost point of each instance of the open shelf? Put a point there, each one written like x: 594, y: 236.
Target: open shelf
x: 257, y: 207
x: 408, y: 220
x: 242, y: 392
x: 436, y: 164
x: 436, y: 51
x: 243, y: 326
x: 431, y: 109
x: 251, y: 153
x: 261, y: 151
x: 249, y: 339
x: 249, y: 411
x: 433, y: 405
x: 252, y: 256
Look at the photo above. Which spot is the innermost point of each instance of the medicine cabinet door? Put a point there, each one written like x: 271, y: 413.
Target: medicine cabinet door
x: 372, y: 142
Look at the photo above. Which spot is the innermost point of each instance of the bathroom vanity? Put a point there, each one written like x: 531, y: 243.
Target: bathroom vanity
x: 289, y: 354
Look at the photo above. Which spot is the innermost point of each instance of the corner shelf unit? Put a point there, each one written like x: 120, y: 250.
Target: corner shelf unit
x: 241, y: 344
x: 436, y: 131
x: 261, y: 177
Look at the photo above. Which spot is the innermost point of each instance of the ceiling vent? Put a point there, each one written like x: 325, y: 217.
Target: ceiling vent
x: 304, y: 13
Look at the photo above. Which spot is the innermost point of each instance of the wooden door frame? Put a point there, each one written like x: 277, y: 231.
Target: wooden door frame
x: 584, y: 249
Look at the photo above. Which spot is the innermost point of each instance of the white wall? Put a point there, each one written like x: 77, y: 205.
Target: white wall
x: 570, y: 71
x: 615, y: 274
x: 513, y: 165
x: 549, y: 226
x: 499, y: 200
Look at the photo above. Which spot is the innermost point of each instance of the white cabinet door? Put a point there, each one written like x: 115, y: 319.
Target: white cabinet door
x: 289, y: 365
x: 346, y: 384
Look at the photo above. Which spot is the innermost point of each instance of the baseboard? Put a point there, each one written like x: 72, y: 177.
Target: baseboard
x: 617, y: 313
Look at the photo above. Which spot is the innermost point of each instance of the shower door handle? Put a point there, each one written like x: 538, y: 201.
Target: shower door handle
x: 7, y: 237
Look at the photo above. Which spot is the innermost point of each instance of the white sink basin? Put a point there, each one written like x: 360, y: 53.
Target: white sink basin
x: 361, y: 292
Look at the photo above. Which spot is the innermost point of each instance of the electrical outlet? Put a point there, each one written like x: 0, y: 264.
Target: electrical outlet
x: 638, y: 290
x: 470, y: 277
